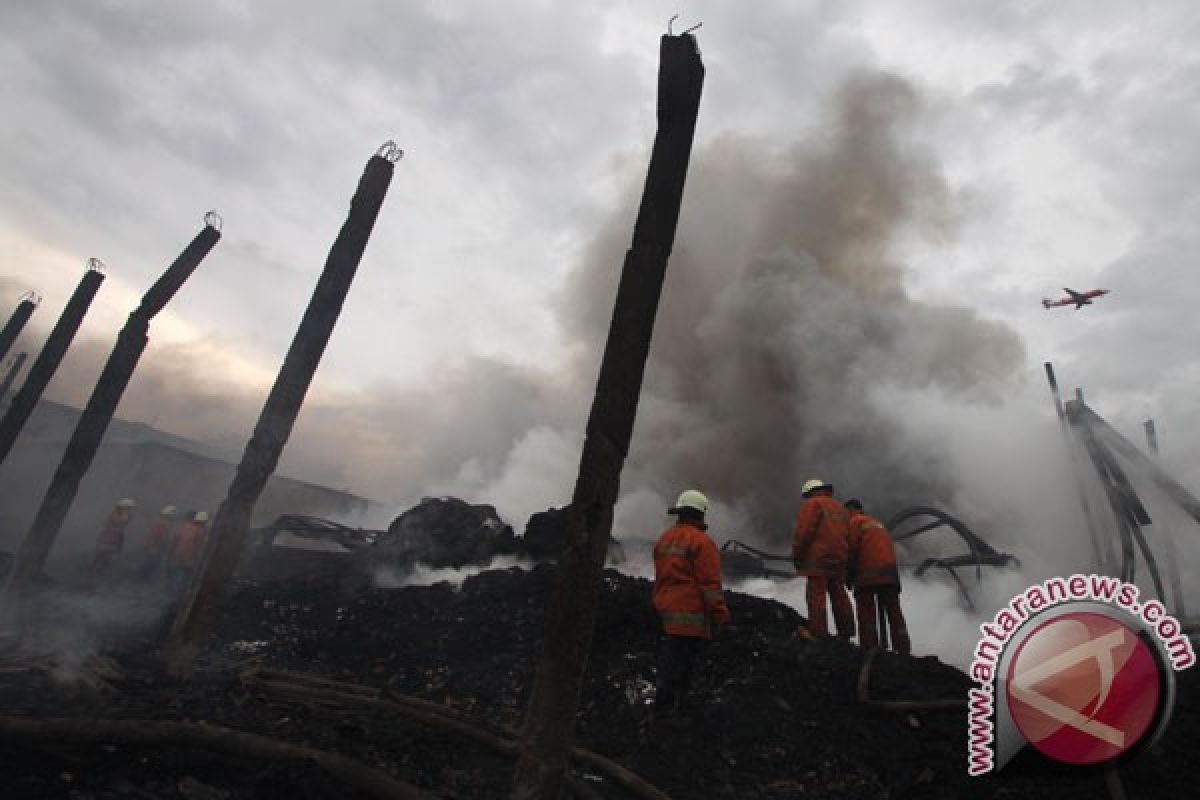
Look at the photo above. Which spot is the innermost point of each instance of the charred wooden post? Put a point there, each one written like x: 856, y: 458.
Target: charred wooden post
x: 1151, y: 436
x: 1096, y: 427
x: 89, y: 431
x: 198, y: 613
x: 549, y: 722
x: 1100, y: 546
x: 50, y: 357
x: 16, y: 323
x: 13, y: 369
x: 1058, y: 404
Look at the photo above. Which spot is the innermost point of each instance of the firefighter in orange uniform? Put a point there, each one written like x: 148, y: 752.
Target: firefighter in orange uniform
x: 688, y: 597
x: 819, y: 553
x: 111, y: 540
x: 187, y: 550
x: 157, y: 539
x: 875, y: 579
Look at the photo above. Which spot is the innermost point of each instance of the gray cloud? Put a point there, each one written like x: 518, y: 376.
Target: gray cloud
x: 785, y: 320
x: 525, y: 127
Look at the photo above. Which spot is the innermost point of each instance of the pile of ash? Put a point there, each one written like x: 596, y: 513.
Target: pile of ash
x: 773, y: 716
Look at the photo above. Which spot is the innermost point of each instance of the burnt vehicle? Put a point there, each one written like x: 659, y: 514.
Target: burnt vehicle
x: 295, y: 545
x: 921, y: 558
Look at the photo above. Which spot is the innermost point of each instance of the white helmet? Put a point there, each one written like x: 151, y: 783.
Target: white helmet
x: 168, y: 511
x: 691, y: 499
x: 126, y: 502
x: 201, y: 516
x: 814, y: 484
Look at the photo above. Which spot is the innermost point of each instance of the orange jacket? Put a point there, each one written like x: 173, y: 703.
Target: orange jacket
x: 687, y: 582
x: 188, y: 545
x: 158, y: 536
x: 872, y: 555
x: 820, y: 547
x: 112, y: 535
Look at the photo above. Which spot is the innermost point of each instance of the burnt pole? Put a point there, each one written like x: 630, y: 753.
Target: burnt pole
x: 570, y: 617
x: 199, y: 611
x: 1100, y: 546
x: 45, y: 365
x: 1058, y: 403
x: 16, y: 323
x: 1151, y: 436
x: 13, y: 368
x: 89, y: 431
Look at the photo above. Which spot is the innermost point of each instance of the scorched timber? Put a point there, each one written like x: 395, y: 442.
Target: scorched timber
x: 549, y: 723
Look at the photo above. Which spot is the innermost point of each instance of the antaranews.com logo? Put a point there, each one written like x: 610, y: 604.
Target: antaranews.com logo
x: 1076, y: 667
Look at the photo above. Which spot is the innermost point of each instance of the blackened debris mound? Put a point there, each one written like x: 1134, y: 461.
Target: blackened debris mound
x: 772, y: 716
x: 546, y: 534
x: 444, y: 532
x: 546, y: 537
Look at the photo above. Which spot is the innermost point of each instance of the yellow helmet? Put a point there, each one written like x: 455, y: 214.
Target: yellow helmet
x: 813, y: 485
x: 692, y: 499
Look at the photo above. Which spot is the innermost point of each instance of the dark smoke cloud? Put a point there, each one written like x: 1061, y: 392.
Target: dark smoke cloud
x: 785, y: 319
x: 784, y: 324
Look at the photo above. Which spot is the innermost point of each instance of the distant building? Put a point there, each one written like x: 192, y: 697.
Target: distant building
x: 151, y: 466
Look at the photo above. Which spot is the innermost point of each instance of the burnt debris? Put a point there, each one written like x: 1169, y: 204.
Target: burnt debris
x: 774, y: 717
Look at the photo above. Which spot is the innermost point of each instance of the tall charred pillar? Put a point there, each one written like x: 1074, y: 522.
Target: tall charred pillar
x: 131, y: 341
x: 1058, y: 404
x: 17, y: 362
x: 549, y: 720
x: 198, y: 614
x: 1101, y: 551
x: 1151, y: 436
x: 8, y: 334
x: 50, y: 357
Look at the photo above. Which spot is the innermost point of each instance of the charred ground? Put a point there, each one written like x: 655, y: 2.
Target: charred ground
x: 774, y: 716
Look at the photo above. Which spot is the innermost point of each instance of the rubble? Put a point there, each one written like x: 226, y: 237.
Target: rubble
x: 774, y: 717
x: 442, y: 532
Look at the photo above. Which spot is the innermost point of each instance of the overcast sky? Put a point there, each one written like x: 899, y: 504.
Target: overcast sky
x: 1066, y: 133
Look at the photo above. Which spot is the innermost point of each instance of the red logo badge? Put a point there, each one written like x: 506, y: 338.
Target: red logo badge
x: 1084, y: 688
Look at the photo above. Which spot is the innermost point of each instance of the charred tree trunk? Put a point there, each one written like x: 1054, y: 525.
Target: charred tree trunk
x: 17, y: 362
x: 131, y: 341
x: 549, y: 722
x: 47, y: 362
x: 198, y: 613
x: 12, y: 329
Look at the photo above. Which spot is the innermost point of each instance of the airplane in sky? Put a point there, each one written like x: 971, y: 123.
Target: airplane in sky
x: 1077, y: 299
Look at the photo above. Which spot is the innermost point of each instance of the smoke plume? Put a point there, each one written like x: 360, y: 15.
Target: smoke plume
x: 784, y: 332
x: 785, y: 323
